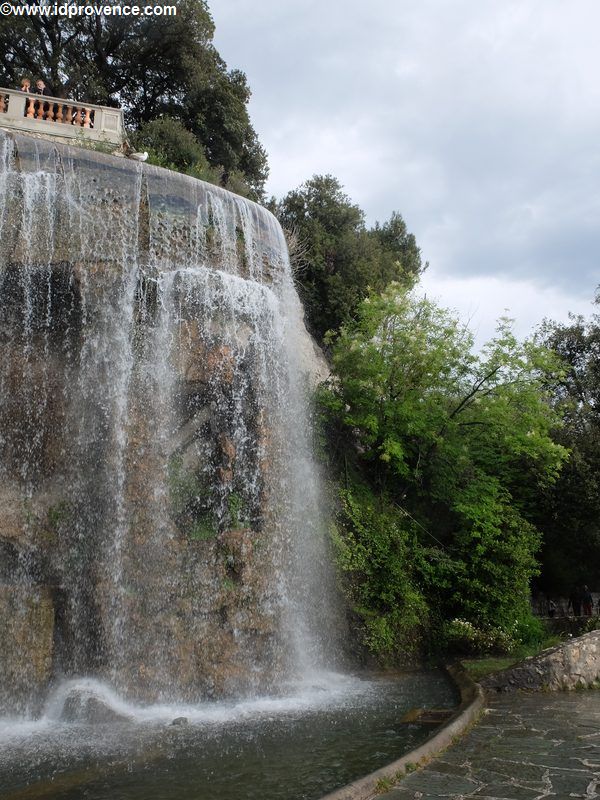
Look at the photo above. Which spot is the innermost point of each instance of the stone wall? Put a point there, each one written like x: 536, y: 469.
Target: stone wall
x: 572, y: 665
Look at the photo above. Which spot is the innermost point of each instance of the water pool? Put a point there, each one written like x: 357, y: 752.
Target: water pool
x: 298, y: 746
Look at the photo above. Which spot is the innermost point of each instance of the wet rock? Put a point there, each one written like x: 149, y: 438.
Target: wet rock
x: 312, y: 362
x: 180, y: 722
x: 227, y: 448
x: 26, y: 634
x: 85, y: 706
x: 12, y: 513
x: 201, y: 361
x: 201, y: 614
x: 237, y: 546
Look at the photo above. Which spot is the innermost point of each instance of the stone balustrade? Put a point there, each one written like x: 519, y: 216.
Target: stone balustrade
x: 67, y: 119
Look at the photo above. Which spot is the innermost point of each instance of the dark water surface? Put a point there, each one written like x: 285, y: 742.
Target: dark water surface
x: 320, y: 736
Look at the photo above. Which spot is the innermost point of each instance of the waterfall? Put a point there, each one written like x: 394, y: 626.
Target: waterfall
x: 161, y: 518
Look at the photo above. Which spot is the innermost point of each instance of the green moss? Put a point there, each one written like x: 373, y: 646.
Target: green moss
x: 185, y: 488
x: 240, y: 246
x: 237, y: 512
x: 204, y: 529
x: 58, y: 517
x: 59, y: 514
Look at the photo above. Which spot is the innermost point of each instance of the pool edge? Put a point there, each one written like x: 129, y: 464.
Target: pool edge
x: 472, y: 702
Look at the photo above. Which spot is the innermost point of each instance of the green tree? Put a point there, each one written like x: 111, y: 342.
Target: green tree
x: 459, y: 442
x: 152, y: 67
x: 570, y: 514
x: 340, y: 259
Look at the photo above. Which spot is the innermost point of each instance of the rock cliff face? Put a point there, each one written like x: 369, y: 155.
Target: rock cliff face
x: 159, y: 508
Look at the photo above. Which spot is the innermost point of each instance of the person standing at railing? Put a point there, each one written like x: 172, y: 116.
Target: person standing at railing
x: 24, y: 87
x: 41, y: 88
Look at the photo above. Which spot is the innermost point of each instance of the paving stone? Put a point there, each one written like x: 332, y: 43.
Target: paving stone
x: 447, y: 768
x: 507, y: 790
x: 567, y: 785
x: 527, y: 747
x: 501, y: 772
x: 441, y: 785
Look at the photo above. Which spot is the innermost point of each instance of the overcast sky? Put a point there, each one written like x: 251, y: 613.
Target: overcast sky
x: 477, y: 120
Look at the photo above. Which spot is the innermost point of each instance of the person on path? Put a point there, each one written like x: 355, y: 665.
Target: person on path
x: 588, y: 602
x: 575, y: 602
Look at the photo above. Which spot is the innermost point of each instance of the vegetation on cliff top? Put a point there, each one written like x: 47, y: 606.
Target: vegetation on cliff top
x: 158, y: 68
x: 337, y: 258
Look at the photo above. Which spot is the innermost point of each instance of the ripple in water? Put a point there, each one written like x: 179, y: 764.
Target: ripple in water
x: 319, y: 735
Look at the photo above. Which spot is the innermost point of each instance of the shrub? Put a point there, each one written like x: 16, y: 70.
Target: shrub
x: 374, y: 551
x: 465, y: 638
x: 170, y: 144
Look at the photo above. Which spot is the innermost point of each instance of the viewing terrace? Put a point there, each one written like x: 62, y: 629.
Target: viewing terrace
x: 54, y: 116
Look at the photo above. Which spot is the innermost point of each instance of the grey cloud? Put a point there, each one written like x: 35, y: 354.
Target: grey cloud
x: 477, y: 120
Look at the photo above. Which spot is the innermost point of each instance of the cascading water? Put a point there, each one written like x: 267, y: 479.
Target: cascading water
x: 163, y: 554
x: 160, y: 515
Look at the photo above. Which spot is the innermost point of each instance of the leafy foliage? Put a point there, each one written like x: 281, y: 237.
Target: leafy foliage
x: 172, y: 146
x: 570, y: 512
x: 374, y: 548
x: 459, y: 442
x: 340, y: 259
x: 153, y: 67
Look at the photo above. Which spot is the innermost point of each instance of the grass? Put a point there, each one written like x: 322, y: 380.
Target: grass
x: 384, y: 785
x: 389, y: 781
x: 480, y: 667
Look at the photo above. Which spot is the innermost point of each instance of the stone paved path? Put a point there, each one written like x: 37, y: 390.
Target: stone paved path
x: 527, y: 747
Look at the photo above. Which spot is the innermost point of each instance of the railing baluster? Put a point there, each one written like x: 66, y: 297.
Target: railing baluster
x: 22, y: 110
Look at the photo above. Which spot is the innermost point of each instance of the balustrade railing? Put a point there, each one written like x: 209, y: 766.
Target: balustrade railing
x: 59, y: 117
